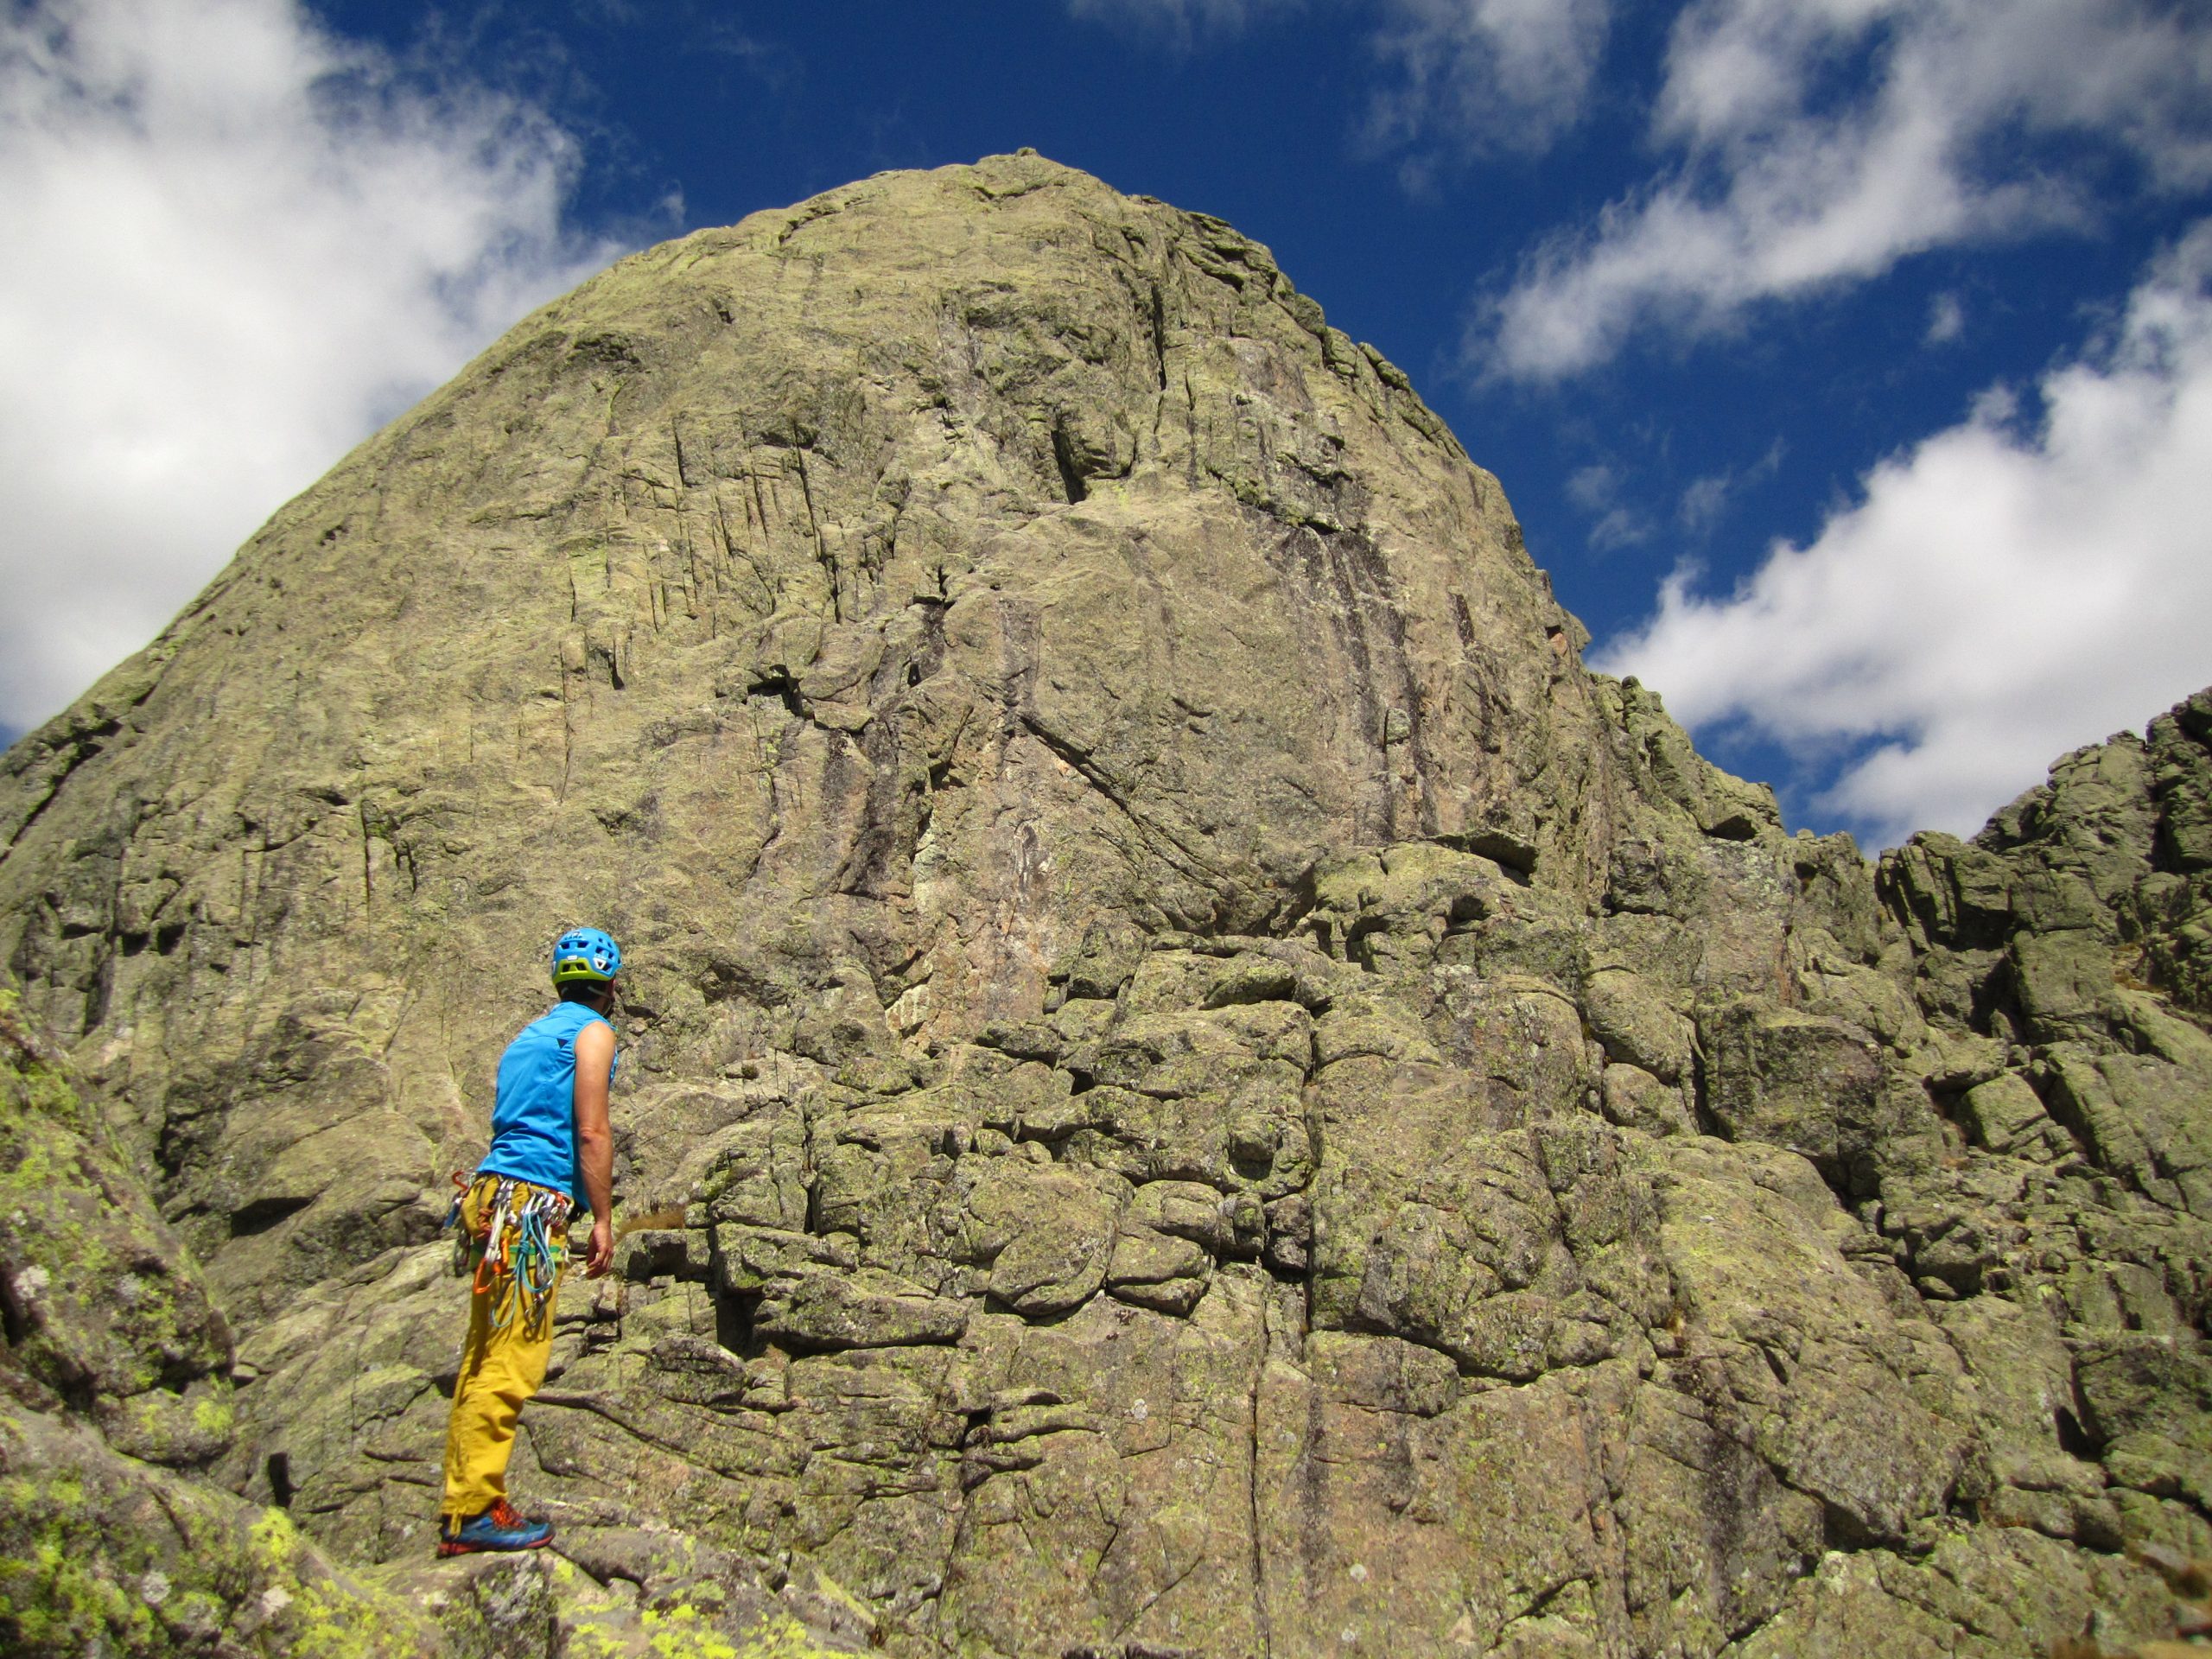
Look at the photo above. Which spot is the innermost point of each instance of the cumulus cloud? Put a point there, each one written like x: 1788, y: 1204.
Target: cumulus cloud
x: 1506, y: 74
x: 1810, y: 142
x: 2013, y: 587
x: 236, y: 244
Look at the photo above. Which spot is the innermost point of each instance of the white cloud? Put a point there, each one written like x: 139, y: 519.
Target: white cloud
x: 1705, y: 501
x: 1620, y: 527
x: 1506, y: 74
x: 235, y: 245
x: 1182, y: 21
x: 1789, y: 171
x: 1998, y: 595
x: 1947, y: 321
x: 1595, y: 489
x: 1465, y: 75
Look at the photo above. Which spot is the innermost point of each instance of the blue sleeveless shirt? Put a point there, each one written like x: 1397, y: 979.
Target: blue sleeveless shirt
x: 534, y: 1116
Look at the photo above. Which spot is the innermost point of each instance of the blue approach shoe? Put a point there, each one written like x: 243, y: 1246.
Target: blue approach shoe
x: 498, y: 1528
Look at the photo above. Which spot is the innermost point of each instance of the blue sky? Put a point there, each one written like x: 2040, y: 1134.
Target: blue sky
x: 1848, y: 362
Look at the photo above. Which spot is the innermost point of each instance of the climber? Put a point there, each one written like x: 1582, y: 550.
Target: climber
x: 551, y: 1153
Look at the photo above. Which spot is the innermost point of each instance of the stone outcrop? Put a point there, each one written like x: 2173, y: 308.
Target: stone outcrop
x: 1194, y: 1084
x: 114, y: 1386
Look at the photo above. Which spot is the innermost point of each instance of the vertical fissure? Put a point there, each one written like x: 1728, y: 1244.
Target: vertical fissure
x: 368, y: 870
x: 1260, y: 1621
x: 1065, y: 458
x: 1159, y: 335
x: 567, y: 727
x: 821, y: 553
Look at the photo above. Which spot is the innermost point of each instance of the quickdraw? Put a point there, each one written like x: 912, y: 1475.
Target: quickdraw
x: 515, y: 1250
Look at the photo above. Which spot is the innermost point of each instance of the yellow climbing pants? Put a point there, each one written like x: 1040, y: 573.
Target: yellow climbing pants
x: 510, y: 1333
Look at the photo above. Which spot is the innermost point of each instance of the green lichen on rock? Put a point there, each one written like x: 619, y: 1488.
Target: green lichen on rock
x: 104, y: 1312
x: 1196, y: 1084
x: 116, y: 1363
x: 102, y: 1554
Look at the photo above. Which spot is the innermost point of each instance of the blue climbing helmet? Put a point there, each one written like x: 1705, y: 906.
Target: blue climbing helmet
x: 587, y: 954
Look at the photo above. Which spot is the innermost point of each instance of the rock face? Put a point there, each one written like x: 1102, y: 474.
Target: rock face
x: 1194, y: 1085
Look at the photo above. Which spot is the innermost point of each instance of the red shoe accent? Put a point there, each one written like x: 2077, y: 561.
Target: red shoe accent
x: 503, y: 1519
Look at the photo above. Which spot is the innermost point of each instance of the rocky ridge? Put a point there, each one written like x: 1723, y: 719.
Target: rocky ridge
x: 1195, y: 1084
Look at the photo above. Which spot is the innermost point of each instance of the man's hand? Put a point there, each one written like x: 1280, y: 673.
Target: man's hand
x: 598, y: 1254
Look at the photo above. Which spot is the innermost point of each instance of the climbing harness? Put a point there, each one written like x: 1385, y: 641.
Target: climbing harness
x: 515, y: 1250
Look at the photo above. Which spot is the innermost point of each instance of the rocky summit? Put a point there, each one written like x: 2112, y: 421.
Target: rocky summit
x: 1193, y: 1083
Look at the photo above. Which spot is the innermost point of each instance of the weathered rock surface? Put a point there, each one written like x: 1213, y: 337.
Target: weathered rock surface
x: 116, y: 1365
x: 116, y: 1396
x: 1195, y: 1084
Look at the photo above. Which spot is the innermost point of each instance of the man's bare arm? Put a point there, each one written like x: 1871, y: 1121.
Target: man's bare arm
x: 595, y: 1141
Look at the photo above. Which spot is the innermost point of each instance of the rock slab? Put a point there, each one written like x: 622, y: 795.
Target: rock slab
x: 1195, y: 1084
